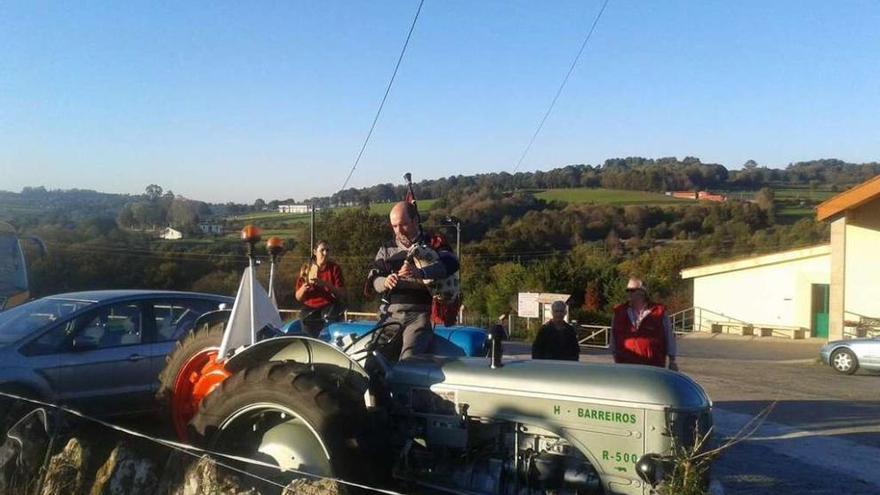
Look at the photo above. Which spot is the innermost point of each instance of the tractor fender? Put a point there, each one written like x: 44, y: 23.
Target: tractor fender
x: 306, y: 350
x: 212, y: 317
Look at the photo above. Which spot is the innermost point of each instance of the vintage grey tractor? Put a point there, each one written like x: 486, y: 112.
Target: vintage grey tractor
x: 459, y: 424
x: 194, y: 368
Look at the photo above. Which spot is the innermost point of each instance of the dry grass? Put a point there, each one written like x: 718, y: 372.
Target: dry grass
x: 691, y: 463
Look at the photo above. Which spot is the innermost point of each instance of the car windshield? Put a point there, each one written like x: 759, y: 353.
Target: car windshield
x: 28, y: 318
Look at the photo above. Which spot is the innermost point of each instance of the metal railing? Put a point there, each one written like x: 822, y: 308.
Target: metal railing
x: 597, y: 336
x: 699, y: 319
x: 684, y: 320
x: 357, y: 315
x: 290, y: 314
x: 857, y: 326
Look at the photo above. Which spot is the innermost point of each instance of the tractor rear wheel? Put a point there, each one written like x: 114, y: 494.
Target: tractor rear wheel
x: 190, y: 373
x: 304, y: 419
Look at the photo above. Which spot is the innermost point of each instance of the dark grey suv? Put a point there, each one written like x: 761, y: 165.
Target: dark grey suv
x: 100, y: 352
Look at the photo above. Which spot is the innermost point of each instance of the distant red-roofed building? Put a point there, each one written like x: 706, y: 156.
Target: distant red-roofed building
x: 699, y: 195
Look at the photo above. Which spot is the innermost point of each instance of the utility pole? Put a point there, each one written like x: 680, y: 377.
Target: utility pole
x: 456, y: 222
x: 312, y: 230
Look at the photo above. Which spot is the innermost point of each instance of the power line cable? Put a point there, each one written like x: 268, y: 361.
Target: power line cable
x: 561, y: 86
x: 384, y: 97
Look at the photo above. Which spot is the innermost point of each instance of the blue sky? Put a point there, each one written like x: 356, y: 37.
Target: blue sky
x: 238, y: 100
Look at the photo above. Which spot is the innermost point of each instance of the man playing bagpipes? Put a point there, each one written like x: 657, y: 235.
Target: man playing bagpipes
x: 416, y: 274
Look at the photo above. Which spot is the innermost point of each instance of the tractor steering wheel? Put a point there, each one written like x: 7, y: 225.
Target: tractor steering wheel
x: 378, y: 337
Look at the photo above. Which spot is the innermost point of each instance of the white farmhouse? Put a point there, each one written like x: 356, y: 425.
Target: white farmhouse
x: 830, y: 291
x: 293, y: 208
x: 170, y: 234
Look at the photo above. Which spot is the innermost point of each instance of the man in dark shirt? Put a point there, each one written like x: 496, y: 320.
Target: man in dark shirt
x: 556, y: 339
x: 401, y: 282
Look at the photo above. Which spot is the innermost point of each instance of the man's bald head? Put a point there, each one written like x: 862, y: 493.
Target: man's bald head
x: 403, y: 223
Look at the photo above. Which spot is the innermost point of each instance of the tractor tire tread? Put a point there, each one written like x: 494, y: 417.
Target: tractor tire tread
x: 331, y: 407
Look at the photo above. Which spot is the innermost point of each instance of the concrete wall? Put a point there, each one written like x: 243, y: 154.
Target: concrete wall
x: 862, y: 279
x: 838, y: 278
x: 777, y: 294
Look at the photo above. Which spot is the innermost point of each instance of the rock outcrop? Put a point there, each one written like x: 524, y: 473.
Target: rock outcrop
x: 126, y: 473
x: 66, y: 470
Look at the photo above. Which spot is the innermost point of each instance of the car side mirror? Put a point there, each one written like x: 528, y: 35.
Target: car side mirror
x: 82, y: 344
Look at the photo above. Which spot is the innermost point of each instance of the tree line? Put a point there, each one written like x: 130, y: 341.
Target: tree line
x: 633, y: 173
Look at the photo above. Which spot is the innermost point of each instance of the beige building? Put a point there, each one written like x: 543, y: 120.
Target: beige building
x: 786, y: 294
x: 855, y: 257
x: 827, y: 292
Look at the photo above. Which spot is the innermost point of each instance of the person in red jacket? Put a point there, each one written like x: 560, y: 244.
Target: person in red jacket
x: 319, y: 288
x: 641, y: 332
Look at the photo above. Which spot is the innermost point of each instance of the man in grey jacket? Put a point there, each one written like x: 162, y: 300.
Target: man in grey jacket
x: 401, y: 283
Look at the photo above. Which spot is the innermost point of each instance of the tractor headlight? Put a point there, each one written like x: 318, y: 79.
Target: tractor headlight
x: 652, y: 468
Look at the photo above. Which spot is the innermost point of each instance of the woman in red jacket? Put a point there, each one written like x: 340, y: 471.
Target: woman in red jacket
x: 319, y: 288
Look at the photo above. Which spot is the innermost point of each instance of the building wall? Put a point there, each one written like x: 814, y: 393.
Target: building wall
x: 707, y: 196
x: 838, y: 278
x: 862, y: 279
x: 171, y: 234
x: 777, y: 294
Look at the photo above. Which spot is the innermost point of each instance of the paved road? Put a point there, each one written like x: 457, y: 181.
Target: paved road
x: 822, y: 437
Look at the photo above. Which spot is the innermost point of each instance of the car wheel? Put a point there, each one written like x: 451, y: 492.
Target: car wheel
x: 844, y: 361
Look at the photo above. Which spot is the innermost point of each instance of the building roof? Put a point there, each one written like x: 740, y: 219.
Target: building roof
x: 851, y: 199
x: 756, y: 261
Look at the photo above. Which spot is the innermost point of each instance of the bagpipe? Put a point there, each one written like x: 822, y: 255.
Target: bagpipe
x: 446, y: 291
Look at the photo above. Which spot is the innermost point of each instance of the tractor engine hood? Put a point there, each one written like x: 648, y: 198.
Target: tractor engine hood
x: 644, y: 386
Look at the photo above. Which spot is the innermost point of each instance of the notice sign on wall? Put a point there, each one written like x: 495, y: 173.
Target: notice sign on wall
x: 529, y: 303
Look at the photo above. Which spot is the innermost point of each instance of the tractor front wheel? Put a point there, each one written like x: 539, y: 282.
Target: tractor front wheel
x: 303, y: 419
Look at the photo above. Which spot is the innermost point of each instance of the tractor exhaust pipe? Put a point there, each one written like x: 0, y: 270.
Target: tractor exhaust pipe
x: 496, y: 352
x: 275, y: 247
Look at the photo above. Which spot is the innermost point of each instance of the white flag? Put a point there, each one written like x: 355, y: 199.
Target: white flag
x: 252, y: 311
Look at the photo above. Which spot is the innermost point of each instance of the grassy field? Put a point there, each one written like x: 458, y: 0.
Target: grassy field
x: 784, y: 194
x: 805, y: 194
x: 270, y: 215
x: 11, y: 211
x: 795, y: 212
x: 282, y: 233
x: 607, y: 196
x: 385, y: 208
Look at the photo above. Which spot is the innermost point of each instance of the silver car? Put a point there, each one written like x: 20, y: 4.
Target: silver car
x: 847, y: 356
x: 100, y: 352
